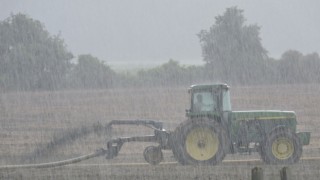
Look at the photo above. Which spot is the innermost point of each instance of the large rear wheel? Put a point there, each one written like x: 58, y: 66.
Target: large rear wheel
x: 200, y: 141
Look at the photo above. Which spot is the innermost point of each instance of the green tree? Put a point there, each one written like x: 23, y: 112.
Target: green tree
x: 311, y: 66
x: 289, y: 67
x: 29, y: 57
x: 294, y: 67
x: 232, y: 50
x: 170, y: 73
x: 90, y: 72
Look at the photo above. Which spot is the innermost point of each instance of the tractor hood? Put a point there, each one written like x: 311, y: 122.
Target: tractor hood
x: 266, y: 119
x: 263, y: 115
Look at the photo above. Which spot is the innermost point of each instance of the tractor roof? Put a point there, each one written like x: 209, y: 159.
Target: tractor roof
x: 209, y: 86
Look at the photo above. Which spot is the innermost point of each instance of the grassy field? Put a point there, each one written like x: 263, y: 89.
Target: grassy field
x: 32, y: 120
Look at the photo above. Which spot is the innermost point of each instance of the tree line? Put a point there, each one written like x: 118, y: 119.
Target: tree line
x: 32, y: 59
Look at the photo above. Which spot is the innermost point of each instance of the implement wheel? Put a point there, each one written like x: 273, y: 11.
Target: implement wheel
x: 281, y: 147
x: 153, y: 155
x: 200, y: 141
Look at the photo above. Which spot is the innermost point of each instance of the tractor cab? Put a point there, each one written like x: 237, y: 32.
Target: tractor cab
x: 208, y: 100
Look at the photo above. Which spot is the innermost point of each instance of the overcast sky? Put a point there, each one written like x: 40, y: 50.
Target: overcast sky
x: 122, y: 31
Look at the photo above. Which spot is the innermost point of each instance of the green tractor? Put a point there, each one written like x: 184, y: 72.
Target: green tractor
x: 213, y: 130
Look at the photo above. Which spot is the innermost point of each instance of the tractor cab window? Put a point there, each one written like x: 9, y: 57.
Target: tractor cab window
x: 226, y: 101
x: 204, y: 101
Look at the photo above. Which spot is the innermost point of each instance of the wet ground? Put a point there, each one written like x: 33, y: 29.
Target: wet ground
x: 31, y: 121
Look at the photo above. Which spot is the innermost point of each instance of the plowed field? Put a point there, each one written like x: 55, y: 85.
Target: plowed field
x: 33, y: 125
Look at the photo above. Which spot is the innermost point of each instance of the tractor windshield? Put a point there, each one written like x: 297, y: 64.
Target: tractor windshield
x: 204, y: 101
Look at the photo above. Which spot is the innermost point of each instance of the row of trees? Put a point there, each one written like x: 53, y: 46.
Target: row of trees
x: 32, y: 59
x: 292, y: 68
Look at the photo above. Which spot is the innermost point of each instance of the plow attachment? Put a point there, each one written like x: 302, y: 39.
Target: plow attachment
x: 152, y: 154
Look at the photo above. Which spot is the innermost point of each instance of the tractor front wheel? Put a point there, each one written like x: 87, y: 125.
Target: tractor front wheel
x: 200, y: 141
x: 281, y: 147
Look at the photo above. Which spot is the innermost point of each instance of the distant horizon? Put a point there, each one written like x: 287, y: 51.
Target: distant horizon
x: 140, y: 65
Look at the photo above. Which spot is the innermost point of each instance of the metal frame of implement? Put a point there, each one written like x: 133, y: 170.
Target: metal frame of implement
x: 160, y: 136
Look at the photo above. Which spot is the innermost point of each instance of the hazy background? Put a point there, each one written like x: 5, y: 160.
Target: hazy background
x: 150, y: 32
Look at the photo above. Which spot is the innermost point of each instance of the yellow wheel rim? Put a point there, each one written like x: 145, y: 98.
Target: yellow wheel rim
x: 282, y: 148
x: 202, y: 143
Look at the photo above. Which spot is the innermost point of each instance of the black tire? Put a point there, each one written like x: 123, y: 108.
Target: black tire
x: 281, y: 146
x: 153, y: 155
x: 200, y: 141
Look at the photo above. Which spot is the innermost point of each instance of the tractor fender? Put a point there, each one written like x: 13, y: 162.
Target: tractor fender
x: 280, y: 128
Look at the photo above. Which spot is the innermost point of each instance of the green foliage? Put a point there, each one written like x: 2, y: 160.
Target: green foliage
x: 232, y: 50
x: 90, y: 72
x: 294, y: 67
x: 170, y: 74
x: 29, y: 57
x: 32, y: 59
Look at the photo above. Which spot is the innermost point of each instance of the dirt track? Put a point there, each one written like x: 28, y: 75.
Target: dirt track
x: 30, y: 120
